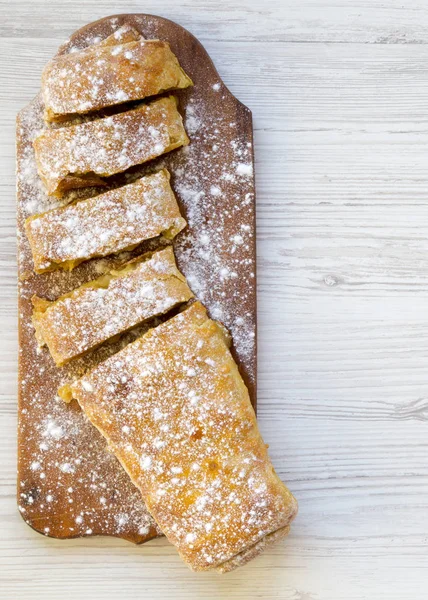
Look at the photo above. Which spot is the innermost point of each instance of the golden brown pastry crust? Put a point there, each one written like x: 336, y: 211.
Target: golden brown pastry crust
x: 123, y: 35
x: 80, y: 155
x: 111, y: 222
x: 110, y: 305
x: 176, y: 413
x: 106, y: 75
x: 39, y: 379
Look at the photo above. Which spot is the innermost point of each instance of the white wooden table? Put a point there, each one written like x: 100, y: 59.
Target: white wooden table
x: 339, y: 93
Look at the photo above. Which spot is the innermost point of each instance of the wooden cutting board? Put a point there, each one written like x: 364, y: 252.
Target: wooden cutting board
x: 69, y: 485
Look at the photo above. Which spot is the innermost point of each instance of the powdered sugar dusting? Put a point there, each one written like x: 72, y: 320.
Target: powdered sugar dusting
x: 99, y: 493
x: 216, y: 250
x: 94, y: 313
x: 193, y: 121
x: 35, y: 199
x: 104, y: 75
x: 119, y: 35
x: 58, y: 445
x: 108, y: 223
x: 245, y: 169
x: 233, y: 498
x: 107, y: 146
x: 69, y: 449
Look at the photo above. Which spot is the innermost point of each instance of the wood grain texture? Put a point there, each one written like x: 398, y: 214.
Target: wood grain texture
x: 341, y: 136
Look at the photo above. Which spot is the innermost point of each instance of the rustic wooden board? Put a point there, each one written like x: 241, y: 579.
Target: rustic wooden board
x: 68, y: 484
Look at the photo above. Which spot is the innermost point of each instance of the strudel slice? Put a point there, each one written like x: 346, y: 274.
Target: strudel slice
x: 106, y: 75
x: 176, y: 413
x: 110, y: 305
x: 80, y: 155
x: 117, y: 220
x: 123, y: 35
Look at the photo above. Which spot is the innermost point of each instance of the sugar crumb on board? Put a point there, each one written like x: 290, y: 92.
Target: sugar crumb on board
x: 215, y: 251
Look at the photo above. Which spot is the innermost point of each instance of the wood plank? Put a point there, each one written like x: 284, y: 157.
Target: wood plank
x: 341, y: 137
x: 343, y: 21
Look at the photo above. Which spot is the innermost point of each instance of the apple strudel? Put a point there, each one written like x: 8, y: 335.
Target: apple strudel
x: 97, y: 311
x: 81, y: 155
x: 176, y: 413
x: 106, y: 75
x: 116, y: 220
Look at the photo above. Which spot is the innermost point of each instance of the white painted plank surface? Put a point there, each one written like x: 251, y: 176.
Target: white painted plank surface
x: 339, y: 95
x: 365, y: 21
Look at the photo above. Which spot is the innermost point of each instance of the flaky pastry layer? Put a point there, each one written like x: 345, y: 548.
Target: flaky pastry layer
x: 117, y: 220
x: 105, y: 75
x: 176, y: 413
x: 81, y: 155
x: 110, y: 305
